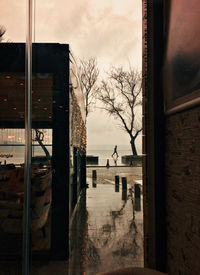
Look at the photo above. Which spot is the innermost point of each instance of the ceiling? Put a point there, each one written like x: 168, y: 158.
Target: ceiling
x: 12, y: 98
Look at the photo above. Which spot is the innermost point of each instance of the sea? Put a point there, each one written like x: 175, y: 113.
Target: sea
x: 104, y: 152
x: 15, y: 153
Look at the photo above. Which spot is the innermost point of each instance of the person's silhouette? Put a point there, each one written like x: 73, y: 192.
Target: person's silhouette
x: 115, y: 151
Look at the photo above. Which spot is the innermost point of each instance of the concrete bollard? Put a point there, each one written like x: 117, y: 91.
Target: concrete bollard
x: 124, y: 183
x: 116, y: 183
x: 137, y: 204
x: 116, y: 180
x: 137, y: 190
x: 124, y: 194
x: 107, y: 164
x: 94, y: 174
x: 94, y: 183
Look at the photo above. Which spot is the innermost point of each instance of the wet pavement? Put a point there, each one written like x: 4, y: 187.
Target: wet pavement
x: 108, y: 228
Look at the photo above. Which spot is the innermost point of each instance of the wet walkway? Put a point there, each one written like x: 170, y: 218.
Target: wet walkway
x: 109, y: 222
x: 107, y: 232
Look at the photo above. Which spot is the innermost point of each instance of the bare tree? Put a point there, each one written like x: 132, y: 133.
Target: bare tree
x: 2, y: 32
x: 88, y: 74
x: 120, y: 95
x: 39, y: 137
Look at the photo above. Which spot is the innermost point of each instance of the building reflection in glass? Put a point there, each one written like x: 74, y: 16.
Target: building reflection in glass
x: 57, y: 130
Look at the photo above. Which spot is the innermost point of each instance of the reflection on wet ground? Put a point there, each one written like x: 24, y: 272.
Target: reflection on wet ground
x: 107, y: 230
x: 109, y: 224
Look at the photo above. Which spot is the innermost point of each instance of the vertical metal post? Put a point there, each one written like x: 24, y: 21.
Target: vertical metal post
x: 28, y: 130
x: 116, y: 183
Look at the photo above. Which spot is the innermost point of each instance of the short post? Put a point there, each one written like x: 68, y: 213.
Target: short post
x: 116, y: 183
x: 137, y: 190
x: 124, y: 194
x: 124, y: 183
x: 107, y: 164
x: 137, y: 204
x: 124, y: 189
x: 94, y: 174
x: 94, y: 183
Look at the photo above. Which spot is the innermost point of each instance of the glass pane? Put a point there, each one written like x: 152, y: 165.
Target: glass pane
x: 50, y: 149
x: 104, y: 30
x: 12, y: 134
x: 58, y: 116
x: 41, y: 186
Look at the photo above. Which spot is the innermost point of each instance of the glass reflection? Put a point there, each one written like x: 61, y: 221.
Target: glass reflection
x: 12, y: 141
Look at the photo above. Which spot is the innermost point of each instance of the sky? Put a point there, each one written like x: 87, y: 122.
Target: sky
x: 110, y: 30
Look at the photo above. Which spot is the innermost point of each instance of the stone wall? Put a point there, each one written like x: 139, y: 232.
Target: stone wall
x: 183, y: 192
x: 132, y: 160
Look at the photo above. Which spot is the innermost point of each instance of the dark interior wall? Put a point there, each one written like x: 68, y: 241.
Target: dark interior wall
x: 171, y: 121
x: 181, y: 88
x: 183, y: 192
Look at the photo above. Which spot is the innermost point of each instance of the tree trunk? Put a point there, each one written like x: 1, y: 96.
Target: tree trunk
x: 39, y: 139
x: 133, y: 147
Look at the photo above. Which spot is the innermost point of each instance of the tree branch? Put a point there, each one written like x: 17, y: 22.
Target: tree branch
x: 120, y: 95
x: 88, y: 75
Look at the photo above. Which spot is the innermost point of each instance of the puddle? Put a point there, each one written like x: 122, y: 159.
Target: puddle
x: 115, y: 228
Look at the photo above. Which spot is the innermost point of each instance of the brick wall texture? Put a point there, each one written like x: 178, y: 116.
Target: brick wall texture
x: 183, y: 192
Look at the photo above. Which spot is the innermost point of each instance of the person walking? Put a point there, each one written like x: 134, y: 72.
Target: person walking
x: 115, y: 151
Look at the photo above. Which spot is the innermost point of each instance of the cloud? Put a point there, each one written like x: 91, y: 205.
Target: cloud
x: 96, y: 30
x: 13, y: 17
x: 107, y: 29
x: 103, y: 129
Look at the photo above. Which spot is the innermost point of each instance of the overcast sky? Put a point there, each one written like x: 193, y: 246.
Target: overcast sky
x: 110, y: 30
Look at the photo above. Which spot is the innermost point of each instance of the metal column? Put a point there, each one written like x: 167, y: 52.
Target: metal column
x: 28, y: 145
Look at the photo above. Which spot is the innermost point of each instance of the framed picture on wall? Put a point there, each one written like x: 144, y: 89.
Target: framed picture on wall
x: 181, y: 74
